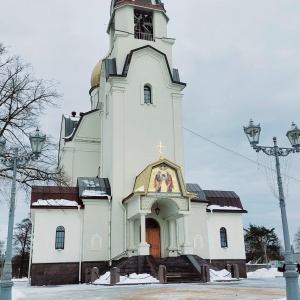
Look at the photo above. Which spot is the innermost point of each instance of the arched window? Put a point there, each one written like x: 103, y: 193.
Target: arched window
x: 60, y: 237
x: 147, y: 94
x: 223, y: 237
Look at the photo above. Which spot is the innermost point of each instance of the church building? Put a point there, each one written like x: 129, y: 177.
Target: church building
x: 128, y: 195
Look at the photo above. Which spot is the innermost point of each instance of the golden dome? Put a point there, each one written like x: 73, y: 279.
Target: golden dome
x: 95, y: 77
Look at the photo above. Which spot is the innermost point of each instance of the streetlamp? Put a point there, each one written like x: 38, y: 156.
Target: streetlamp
x: 14, y: 160
x: 252, y: 132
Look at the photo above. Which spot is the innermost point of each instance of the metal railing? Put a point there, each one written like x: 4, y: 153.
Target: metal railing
x: 143, y: 36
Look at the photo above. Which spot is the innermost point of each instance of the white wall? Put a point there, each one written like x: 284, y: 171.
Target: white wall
x: 96, y: 217
x: 45, y: 223
x: 132, y: 130
x: 198, y: 231
x: 235, y: 235
x: 80, y: 157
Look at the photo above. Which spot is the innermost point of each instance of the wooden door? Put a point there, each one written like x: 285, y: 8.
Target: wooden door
x: 153, y: 237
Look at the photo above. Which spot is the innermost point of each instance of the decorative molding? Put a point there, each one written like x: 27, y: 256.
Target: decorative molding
x: 117, y: 89
x: 168, y: 40
x: 120, y: 34
x: 147, y: 202
x: 177, y: 96
x: 182, y: 203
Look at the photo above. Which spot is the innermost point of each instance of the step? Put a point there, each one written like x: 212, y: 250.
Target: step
x: 182, y: 277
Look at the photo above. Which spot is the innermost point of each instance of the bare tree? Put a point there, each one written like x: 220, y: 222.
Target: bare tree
x: 23, y: 100
x: 1, y: 247
x: 1, y: 256
x: 297, y: 240
x: 22, y: 238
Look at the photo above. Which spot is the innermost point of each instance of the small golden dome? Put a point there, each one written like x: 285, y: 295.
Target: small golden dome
x: 95, y: 77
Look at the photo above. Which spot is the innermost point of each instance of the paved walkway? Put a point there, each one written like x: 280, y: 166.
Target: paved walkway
x: 258, y: 289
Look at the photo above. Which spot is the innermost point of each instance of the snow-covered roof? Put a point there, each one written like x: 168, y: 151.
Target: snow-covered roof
x: 93, y: 193
x: 93, y: 187
x: 56, y: 196
x: 223, y: 201
x: 55, y: 202
x: 218, y: 207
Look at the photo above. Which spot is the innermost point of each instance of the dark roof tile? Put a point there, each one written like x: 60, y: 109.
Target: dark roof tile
x: 54, y: 192
x: 223, y: 198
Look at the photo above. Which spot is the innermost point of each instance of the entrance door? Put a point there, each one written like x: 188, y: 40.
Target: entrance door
x: 153, y: 236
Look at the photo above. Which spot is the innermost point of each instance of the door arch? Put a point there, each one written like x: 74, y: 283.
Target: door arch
x: 153, y: 236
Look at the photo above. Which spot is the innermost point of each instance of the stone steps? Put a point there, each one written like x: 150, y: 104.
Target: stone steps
x: 179, y: 269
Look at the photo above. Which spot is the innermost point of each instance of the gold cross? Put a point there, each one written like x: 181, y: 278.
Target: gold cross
x: 160, y: 146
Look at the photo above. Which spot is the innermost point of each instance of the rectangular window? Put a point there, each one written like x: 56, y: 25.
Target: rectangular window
x: 60, y: 238
x: 223, y: 237
x: 147, y: 94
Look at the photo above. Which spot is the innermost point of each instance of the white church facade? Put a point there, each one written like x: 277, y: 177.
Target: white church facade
x: 125, y: 158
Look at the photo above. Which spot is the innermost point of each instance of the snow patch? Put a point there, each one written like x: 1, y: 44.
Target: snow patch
x: 17, y: 294
x: 131, y: 279
x: 93, y: 193
x: 222, y: 275
x: 55, y: 202
x: 218, y: 207
x: 265, y: 273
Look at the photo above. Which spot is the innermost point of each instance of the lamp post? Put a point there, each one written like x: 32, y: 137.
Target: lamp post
x: 252, y: 132
x: 13, y: 161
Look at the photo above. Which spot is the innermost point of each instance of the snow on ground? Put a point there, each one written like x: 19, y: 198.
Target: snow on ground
x: 222, y: 275
x: 17, y: 294
x: 265, y: 273
x: 134, y: 278
x: 261, y: 284
x: 131, y: 279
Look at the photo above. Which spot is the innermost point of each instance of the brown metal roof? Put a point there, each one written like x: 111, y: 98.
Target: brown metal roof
x: 54, y: 192
x: 223, y: 198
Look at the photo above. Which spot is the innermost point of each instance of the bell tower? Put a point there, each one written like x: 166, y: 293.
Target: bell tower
x: 138, y: 96
x: 136, y: 23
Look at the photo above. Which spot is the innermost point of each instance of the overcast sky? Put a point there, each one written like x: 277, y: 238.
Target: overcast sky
x: 240, y: 60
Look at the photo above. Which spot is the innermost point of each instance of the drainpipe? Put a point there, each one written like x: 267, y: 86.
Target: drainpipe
x: 109, y: 230
x: 30, y: 254
x: 125, y: 225
x: 80, y: 243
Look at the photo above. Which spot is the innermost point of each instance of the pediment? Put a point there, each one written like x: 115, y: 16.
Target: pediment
x: 151, y: 51
x: 162, y: 178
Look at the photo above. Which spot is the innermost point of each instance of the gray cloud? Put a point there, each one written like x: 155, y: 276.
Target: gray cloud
x: 240, y: 60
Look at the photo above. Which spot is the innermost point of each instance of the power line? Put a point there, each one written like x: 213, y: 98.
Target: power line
x: 235, y: 153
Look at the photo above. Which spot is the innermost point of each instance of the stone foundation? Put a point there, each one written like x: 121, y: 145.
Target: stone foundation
x: 54, y: 274
x: 67, y: 273
x: 63, y: 273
